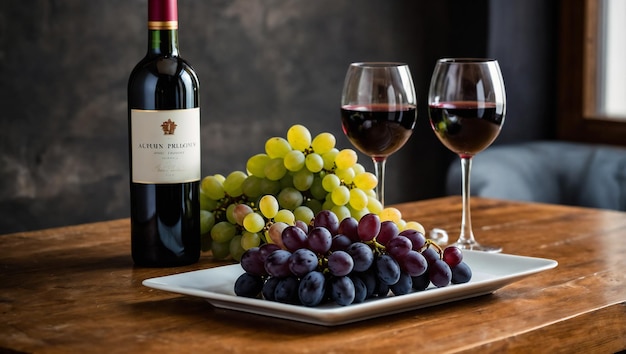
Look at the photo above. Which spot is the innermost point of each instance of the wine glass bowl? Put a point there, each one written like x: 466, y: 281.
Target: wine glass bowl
x: 378, y: 111
x: 466, y: 107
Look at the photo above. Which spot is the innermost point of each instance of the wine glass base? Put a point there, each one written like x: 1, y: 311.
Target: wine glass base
x: 475, y: 246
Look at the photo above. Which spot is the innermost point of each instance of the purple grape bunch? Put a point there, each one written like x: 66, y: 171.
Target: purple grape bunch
x: 347, y: 262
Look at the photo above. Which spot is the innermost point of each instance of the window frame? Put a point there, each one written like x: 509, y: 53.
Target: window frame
x: 577, y: 119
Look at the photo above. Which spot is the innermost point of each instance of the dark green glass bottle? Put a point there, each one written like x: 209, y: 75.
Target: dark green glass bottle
x: 164, y: 148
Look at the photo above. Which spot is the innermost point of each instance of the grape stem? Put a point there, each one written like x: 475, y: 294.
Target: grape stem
x: 429, y: 243
x: 377, y: 247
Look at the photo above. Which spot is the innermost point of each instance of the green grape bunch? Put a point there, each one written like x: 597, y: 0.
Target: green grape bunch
x: 290, y: 182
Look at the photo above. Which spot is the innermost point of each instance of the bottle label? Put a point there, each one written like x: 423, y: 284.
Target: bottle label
x: 165, y: 146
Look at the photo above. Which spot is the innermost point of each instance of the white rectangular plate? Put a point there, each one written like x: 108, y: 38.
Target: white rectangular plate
x: 491, y: 271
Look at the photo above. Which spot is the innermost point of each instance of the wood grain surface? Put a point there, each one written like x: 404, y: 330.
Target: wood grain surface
x: 75, y: 289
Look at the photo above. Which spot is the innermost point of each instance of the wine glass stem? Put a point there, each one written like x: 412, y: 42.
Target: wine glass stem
x: 379, y: 165
x: 466, y: 236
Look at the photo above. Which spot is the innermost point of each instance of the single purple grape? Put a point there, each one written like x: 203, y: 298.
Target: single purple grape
x: 388, y: 270
x: 368, y: 227
x: 439, y: 273
x: 388, y: 230
x: 431, y: 254
x: 398, y: 247
x: 340, y: 243
x: 302, y: 262
x: 320, y: 240
x: 294, y: 238
x: 452, y: 255
x: 462, y: 273
x: 417, y: 238
x: 340, y: 263
x: 328, y: 220
x: 362, y: 255
x: 413, y: 263
x: 252, y: 261
x: 277, y: 263
x: 349, y: 227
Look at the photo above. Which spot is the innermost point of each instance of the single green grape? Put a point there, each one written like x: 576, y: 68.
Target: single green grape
x: 270, y: 187
x: 340, y: 195
x: 390, y: 214
x: 207, y: 203
x: 256, y: 165
x: 345, y: 175
x: 314, y: 162
x: 285, y: 216
x: 233, y: 182
x: 365, y: 180
x: 341, y: 211
x: 277, y: 147
x: 253, y: 222
x: 358, y: 168
x: 294, y: 160
x: 275, y: 169
x: 250, y: 240
x: 252, y: 187
x: 323, y: 143
x: 212, y: 187
x: 223, y: 231
x: 304, y: 213
x: 358, y: 199
x: 345, y: 159
x: 235, y: 248
x: 290, y: 198
x: 303, y: 180
x: 221, y: 250
x: 268, y: 205
x: 374, y: 205
x: 317, y: 190
x: 299, y: 137
x: 330, y: 182
x: 207, y: 220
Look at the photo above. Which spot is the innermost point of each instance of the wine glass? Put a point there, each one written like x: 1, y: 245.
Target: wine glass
x: 467, y: 105
x: 378, y: 111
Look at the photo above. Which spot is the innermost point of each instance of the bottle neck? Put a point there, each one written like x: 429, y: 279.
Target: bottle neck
x: 163, y: 27
x: 163, y: 42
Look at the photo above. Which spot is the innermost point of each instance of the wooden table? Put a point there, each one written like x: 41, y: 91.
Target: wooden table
x: 74, y: 289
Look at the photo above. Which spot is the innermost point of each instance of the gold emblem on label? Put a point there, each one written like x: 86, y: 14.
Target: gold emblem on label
x: 168, y: 127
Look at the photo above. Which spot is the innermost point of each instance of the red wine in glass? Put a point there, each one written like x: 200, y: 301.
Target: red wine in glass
x: 378, y: 130
x: 466, y: 127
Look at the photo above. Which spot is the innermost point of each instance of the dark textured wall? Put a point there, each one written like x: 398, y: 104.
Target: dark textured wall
x: 263, y: 66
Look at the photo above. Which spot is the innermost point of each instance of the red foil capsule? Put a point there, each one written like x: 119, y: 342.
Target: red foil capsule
x: 162, y: 14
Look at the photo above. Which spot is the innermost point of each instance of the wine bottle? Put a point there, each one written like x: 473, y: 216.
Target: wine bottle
x: 164, y: 148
